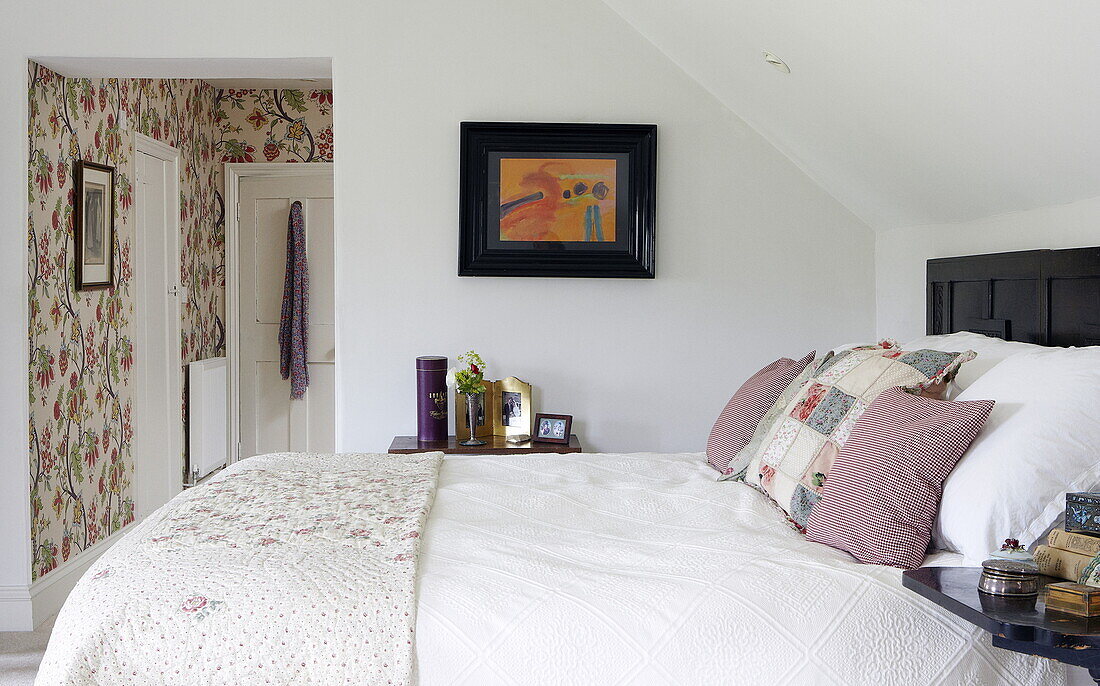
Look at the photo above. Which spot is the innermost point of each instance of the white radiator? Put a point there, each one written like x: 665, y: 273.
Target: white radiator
x: 208, y: 426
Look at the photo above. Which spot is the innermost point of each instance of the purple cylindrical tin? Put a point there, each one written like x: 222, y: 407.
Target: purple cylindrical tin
x: 431, y: 398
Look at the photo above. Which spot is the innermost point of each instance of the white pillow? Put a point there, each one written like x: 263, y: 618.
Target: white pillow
x: 1041, y: 441
x: 990, y: 351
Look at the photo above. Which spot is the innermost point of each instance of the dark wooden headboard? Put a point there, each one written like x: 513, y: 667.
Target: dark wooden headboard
x: 1049, y: 297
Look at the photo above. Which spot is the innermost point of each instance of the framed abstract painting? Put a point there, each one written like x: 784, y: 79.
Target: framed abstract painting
x: 558, y: 200
x: 94, y: 225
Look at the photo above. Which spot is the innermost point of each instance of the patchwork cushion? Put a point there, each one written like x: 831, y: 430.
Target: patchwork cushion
x: 742, y: 414
x: 885, y: 486
x: 750, y: 454
x: 798, y: 453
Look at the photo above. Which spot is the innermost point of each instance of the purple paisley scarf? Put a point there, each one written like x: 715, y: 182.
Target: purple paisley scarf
x: 294, y: 320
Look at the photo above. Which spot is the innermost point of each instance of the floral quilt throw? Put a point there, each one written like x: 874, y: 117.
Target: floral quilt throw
x: 289, y: 568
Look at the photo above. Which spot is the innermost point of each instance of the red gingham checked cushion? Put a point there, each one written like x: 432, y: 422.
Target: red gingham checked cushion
x: 735, y: 426
x: 882, y: 495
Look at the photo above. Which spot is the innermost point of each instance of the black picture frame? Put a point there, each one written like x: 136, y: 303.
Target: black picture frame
x: 564, y: 439
x: 88, y: 273
x: 632, y: 253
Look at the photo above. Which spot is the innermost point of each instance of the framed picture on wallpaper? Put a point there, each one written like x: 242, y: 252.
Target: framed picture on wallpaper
x: 558, y: 200
x: 94, y: 225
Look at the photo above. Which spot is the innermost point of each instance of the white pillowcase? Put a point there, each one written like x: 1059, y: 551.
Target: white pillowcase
x: 1041, y: 441
x: 990, y: 351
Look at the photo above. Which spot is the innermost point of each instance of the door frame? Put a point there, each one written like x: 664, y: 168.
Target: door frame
x: 145, y: 444
x: 234, y: 173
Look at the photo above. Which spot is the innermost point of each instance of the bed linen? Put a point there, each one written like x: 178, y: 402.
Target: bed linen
x: 610, y: 569
x: 546, y: 569
x: 284, y: 569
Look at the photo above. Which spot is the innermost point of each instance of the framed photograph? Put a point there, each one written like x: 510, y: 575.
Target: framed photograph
x: 552, y: 428
x: 512, y: 402
x: 94, y: 225
x: 558, y: 200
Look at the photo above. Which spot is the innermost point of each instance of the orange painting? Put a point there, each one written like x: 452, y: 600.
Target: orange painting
x: 557, y: 200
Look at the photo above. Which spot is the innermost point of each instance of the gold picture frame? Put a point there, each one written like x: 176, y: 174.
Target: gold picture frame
x: 512, y: 410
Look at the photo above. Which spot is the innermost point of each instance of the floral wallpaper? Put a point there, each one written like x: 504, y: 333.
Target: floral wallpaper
x: 287, y: 125
x: 81, y: 343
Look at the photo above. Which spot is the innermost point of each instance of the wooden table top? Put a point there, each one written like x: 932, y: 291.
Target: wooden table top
x: 494, y: 445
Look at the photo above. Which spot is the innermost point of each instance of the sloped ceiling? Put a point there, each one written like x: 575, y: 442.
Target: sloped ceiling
x: 908, y: 112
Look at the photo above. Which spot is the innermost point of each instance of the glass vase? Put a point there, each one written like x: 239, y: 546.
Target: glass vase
x: 473, y: 404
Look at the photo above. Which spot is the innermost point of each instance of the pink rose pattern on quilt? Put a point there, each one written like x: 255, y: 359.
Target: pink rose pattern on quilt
x: 809, y: 402
x: 288, y: 545
x: 356, y: 509
x: 797, y: 455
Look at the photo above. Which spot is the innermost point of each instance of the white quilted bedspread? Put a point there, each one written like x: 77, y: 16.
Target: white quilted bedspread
x: 285, y: 569
x: 642, y: 569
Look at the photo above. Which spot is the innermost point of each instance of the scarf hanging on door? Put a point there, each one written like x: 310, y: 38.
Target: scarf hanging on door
x: 294, y: 319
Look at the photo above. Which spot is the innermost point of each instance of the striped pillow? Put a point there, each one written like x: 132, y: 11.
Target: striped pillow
x: 883, y: 492
x: 738, y: 421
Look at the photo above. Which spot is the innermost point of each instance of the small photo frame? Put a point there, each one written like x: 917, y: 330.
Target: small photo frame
x: 552, y: 428
x: 94, y: 225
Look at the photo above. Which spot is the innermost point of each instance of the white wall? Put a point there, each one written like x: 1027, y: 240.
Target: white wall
x: 15, y: 532
x: 901, y: 254
x: 754, y: 260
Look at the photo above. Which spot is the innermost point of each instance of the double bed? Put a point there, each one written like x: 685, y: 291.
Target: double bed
x: 547, y: 569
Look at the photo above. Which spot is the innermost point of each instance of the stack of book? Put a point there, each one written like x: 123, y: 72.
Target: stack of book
x: 1066, y: 554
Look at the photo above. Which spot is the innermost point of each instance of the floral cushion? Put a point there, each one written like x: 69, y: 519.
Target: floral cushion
x: 799, y: 450
x: 750, y: 454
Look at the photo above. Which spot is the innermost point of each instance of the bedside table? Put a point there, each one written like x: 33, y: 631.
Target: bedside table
x: 1016, y: 624
x: 494, y: 445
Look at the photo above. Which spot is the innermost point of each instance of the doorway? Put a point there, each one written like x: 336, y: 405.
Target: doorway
x: 263, y: 418
x: 158, y: 432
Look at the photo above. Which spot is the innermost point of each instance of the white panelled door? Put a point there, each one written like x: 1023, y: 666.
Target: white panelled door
x: 270, y: 420
x: 158, y: 429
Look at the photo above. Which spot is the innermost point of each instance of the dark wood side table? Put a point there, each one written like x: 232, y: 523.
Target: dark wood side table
x: 1017, y: 624
x: 494, y: 445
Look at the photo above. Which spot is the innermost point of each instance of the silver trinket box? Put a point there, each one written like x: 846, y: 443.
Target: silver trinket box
x: 1009, y: 578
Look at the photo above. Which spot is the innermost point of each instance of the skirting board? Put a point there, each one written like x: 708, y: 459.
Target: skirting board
x: 22, y: 608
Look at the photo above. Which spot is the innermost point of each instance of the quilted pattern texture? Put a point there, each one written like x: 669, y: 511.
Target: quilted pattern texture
x: 741, y: 416
x: 284, y: 569
x: 801, y: 447
x: 639, y: 570
x: 884, y: 490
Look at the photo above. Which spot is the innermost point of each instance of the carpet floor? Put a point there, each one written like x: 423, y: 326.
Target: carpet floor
x: 21, y: 652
